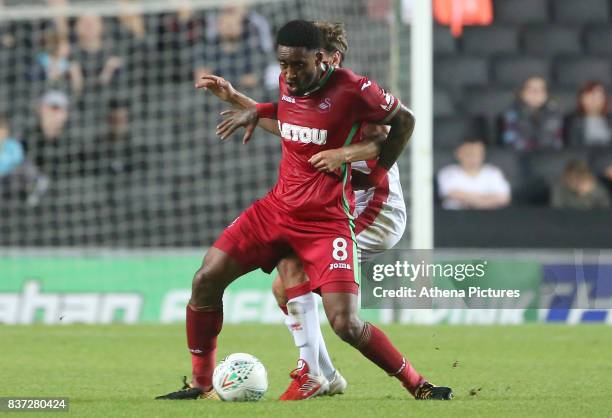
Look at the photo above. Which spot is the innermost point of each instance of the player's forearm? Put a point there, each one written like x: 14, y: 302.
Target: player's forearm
x: 241, y: 100
x: 362, y: 151
x: 270, y: 125
x: 402, y: 126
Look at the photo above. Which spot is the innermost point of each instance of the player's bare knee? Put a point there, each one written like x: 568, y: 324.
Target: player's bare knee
x: 206, y: 289
x: 346, y: 326
x: 291, y: 271
x: 278, y: 290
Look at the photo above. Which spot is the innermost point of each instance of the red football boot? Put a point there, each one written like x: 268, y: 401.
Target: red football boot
x: 304, y: 385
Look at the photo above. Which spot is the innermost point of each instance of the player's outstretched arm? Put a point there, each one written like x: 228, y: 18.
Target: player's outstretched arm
x: 367, y: 149
x: 225, y: 91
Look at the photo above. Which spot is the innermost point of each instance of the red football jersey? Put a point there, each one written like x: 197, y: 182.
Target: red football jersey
x: 327, y: 117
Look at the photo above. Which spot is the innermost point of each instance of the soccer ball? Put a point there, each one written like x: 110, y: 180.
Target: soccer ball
x: 240, y: 377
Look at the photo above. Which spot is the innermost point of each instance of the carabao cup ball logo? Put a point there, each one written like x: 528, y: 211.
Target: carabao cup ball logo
x: 237, y: 374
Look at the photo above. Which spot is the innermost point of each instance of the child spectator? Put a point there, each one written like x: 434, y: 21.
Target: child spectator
x: 52, y: 65
x: 472, y: 184
x: 533, y: 121
x: 579, y: 189
x: 47, y: 144
x: 18, y: 176
x: 591, y: 123
x: 11, y: 150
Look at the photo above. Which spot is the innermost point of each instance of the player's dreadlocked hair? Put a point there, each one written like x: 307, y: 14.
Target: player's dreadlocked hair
x: 300, y: 34
x: 334, y: 35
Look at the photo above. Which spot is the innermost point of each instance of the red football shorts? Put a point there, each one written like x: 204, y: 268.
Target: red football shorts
x: 262, y: 235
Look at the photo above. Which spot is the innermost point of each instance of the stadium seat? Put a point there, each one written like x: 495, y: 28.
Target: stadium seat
x: 581, y: 11
x: 444, y: 42
x: 487, y: 101
x: 450, y: 131
x: 488, y: 104
x: 549, y: 165
x: 458, y: 71
x: 551, y: 40
x: 564, y: 98
x: 541, y: 171
x: 487, y: 40
x: 573, y: 71
x: 512, y: 70
x: 443, y: 103
x: 508, y: 162
x: 600, y: 159
x: 521, y: 11
x: 442, y: 158
x: 598, y: 40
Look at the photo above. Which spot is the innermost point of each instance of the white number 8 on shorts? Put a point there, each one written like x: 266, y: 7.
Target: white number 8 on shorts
x: 340, y: 253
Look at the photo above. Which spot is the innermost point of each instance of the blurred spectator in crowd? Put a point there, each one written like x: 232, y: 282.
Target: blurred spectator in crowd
x: 472, y: 184
x: 114, y: 153
x: 52, y: 65
x: 97, y: 66
x: 533, y: 121
x: 238, y: 47
x: 579, y: 189
x: 18, y: 176
x: 133, y: 23
x: 591, y: 123
x: 135, y: 41
x: 47, y: 144
x: 8, y: 56
x: 60, y: 20
x: 178, y: 34
x: 11, y: 150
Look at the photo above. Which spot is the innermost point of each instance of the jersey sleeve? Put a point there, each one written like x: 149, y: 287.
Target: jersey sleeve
x: 373, y: 103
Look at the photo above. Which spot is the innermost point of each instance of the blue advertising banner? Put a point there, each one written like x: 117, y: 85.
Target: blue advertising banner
x: 577, y: 293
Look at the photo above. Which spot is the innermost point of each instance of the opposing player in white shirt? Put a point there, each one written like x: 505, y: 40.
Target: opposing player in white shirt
x: 380, y: 221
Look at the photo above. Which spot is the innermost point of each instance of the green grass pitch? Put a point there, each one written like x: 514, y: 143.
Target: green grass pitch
x: 107, y: 371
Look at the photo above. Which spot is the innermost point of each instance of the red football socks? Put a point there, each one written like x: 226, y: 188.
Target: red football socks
x: 202, y: 330
x: 375, y: 345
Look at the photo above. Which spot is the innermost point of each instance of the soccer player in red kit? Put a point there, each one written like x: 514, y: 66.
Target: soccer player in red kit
x: 308, y: 212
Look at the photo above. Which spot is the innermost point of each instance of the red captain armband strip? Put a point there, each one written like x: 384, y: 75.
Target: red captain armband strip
x: 377, y: 175
x: 266, y: 110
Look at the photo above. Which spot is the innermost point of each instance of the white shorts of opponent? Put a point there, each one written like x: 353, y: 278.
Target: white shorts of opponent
x: 380, y: 214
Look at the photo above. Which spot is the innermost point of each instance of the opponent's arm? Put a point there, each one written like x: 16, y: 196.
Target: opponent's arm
x: 402, y: 126
x: 224, y: 90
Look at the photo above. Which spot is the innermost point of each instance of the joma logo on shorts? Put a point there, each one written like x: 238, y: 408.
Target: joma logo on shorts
x: 334, y: 266
x: 302, y: 134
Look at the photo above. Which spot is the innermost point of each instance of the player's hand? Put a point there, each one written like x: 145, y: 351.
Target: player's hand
x: 234, y: 119
x: 328, y: 160
x: 218, y: 86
